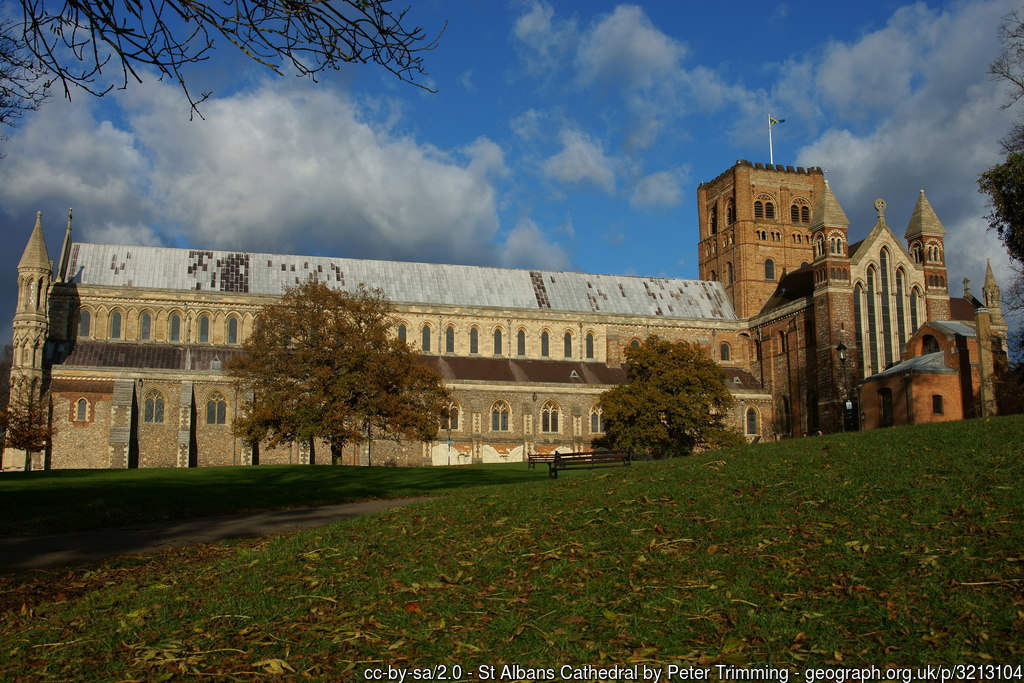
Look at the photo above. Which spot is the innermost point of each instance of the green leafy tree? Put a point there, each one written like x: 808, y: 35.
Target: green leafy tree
x: 1004, y: 184
x: 674, y: 401
x: 323, y: 363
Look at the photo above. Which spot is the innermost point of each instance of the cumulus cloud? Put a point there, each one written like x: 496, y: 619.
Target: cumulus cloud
x: 939, y: 127
x: 658, y: 190
x: 625, y: 48
x: 527, y: 247
x: 582, y: 160
x: 543, y: 40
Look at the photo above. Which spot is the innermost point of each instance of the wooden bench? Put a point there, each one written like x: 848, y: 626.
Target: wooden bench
x: 580, y: 461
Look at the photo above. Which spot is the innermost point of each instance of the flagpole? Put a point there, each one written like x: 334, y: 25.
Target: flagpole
x: 771, y: 149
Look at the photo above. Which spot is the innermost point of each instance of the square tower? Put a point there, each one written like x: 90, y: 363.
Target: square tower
x: 755, y: 226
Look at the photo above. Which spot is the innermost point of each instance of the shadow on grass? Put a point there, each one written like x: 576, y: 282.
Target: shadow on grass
x: 68, y: 500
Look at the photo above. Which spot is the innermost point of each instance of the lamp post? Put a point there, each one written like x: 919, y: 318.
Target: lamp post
x: 847, y: 404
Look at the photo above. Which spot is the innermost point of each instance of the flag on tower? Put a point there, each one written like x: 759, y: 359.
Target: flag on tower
x: 772, y: 120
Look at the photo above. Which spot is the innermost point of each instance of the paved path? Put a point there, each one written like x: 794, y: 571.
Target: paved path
x: 42, y: 552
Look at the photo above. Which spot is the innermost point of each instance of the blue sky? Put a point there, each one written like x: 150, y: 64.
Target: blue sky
x: 567, y: 135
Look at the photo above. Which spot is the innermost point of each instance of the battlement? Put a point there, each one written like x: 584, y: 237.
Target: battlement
x: 781, y: 168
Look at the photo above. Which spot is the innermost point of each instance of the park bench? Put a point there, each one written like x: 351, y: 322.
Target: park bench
x: 580, y: 461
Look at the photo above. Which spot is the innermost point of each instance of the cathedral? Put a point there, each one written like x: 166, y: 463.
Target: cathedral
x: 125, y: 345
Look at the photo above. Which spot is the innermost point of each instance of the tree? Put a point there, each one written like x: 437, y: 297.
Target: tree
x: 22, y: 86
x: 673, y: 402
x: 323, y: 363
x: 1004, y: 184
x: 75, y: 41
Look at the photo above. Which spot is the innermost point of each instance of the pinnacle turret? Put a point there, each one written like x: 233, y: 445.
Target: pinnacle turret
x: 924, y: 220
x: 35, y: 256
x: 829, y: 212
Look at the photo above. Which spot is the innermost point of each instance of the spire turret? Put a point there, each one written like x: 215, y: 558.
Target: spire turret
x: 35, y: 256
x: 65, y: 252
x: 924, y: 220
x: 829, y: 212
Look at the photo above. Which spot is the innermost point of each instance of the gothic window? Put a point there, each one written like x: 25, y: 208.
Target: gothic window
x: 590, y: 345
x: 145, y: 326
x: 567, y: 345
x: 723, y: 351
x: 858, y: 323
x: 175, y: 325
x: 913, y: 310
x: 153, y: 407
x: 544, y: 344
x: 115, y: 325
x: 901, y: 323
x: 521, y: 343
x: 474, y: 340
x: 549, y: 418
x: 769, y: 269
x: 204, y: 328
x: 883, y: 257
x: 872, y: 323
x: 452, y: 423
x: 84, y: 321
x: 497, y: 342
x: 449, y: 339
x: 425, y: 339
x: 785, y: 427
x: 216, y: 409
x: 596, y: 420
x: 728, y: 272
x: 233, y: 330
x: 499, y: 417
x: 751, y: 420
x: 81, y: 410
x: 402, y: 332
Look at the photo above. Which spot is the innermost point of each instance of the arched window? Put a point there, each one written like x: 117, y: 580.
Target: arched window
x: 596, y: 420
x: 545, y: 341
x: 901, y: 323
x: 567, y: 345
x: 873, y: 362
x: 521, y: 343
x: 794, y: 213
x: 474, y: 340
x: 785, y: 427
x: 425, y: 339
x: 883, y: 271
x: 769, y: 269
x: 769, y: 210
x: 805, y: 214
x: 449, y: 339
x: 204, y: 328
x: 216, y: 409
x: 498, y: 349
x: 452, y: 423
x: 915, y: 252
x: 858, y: 323
x: 153, y: 411
x: 81, y: 410
x: 590, y: 345
x: 752, y: 420
x: 145, y: 326
x: 714, y: 276
x: 175, y: 325
x: 929, y: 344
x: 723, y: 351
x: 115, y: 325
x: 499, y: 417
x: 233, y: 330
x: 713, y: 220
x: 549, y: 417
x: 402, y: 332
x: 913, y: 310
x: 635, y: 344
x: 84, y: 321
x: 758, y: 209
x: 730, y: 213
x: 728, y: 272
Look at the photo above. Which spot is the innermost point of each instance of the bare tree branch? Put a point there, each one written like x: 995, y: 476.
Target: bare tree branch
x: 22, y: 86
x: 78, y: 41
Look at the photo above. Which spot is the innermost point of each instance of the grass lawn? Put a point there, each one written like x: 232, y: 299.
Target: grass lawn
x: 70, y: 500
x: 900, y: 546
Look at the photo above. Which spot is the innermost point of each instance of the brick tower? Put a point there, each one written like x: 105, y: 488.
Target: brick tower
x: 754, y: 228
x: 925, y: 235
x: 833, y: 345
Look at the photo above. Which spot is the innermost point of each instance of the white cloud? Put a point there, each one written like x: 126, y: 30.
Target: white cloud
x: 582, y: 160
x: 938, y: 127
x: 543, y: 40
x: 658, y: 190
x: 486, y: 157
x: 527, y: 247
x: 625, y: 48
